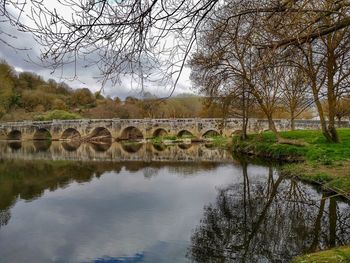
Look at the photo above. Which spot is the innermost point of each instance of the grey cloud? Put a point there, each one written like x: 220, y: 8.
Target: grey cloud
x: 87, y: 76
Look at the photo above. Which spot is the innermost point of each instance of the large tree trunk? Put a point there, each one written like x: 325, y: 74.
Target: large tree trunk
x: 332, y: 100
x: 321, y: 114
x: 323, y: 121
x: 272, y: 127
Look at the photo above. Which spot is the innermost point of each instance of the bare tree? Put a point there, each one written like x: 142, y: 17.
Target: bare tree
x: 227, y: 55
x: 295, y: 93
x: 132, y: 37
x: 123, y: 35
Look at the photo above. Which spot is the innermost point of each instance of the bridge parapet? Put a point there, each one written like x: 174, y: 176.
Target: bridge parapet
x: 146, y: 128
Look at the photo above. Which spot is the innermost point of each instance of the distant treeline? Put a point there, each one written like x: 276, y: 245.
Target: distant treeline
x: 27, y: 96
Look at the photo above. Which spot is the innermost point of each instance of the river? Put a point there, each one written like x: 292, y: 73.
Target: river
x: 66, y: 202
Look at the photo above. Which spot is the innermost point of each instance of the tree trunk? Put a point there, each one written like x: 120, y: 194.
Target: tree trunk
x: 272, y: 127
x: 244, y: 117
x: 292, y: 122
x: 332, y: 100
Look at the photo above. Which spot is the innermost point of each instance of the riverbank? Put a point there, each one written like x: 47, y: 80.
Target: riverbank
x: 341, y: 254
x: 317, y: 161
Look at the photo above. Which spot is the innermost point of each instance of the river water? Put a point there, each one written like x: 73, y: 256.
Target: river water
x: 62, y: 202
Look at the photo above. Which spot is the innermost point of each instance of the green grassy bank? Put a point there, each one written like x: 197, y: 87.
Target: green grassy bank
x: 341, y: 254
x: 322, y: 162
x: 317, y: 162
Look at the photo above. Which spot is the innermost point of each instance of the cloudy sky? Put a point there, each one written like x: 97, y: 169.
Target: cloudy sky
x: 28, y: 60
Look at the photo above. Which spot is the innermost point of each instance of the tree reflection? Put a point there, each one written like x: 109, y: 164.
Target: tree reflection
x: 28, y: 180
x: 268, y: 221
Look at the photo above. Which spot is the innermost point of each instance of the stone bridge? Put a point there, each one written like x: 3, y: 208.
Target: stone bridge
x: 121, y: 129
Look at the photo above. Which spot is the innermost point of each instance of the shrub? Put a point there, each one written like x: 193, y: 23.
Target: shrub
x: 57, y: 115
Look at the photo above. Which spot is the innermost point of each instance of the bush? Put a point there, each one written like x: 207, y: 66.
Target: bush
x: 83, y: 97
x: 57, y: 115
x: 33, y: 98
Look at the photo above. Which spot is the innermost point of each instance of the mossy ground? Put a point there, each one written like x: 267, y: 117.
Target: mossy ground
x: 323, y: 162
x: 336, y: 255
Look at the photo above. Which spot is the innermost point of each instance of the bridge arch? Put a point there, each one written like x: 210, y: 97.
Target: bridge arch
x: 70, y: 134
x: 185, y: 134
x: 159, y: 147
x: 160, y: 132
x: 42, y: 134
x: 131, y: 133
x: 15, y: 145
x: 42, y: 145
x: 71, y: 146
x: 210, y: 133
x: 15, y: 135
x: 131, y: 147
x: 101, y: 147
x: 100, y: 134
x: 185, y: 146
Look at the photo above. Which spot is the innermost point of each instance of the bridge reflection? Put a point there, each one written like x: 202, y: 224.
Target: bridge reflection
x: 112, y: 151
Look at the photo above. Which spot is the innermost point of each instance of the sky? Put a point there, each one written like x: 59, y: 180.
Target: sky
x: 26, y: 58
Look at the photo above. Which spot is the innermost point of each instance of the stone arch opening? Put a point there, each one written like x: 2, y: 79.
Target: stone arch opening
x: 100, y: 134
x: 14, y: 135
x: 131, y: 147
x: 209, y: 146
x: 185, y: 146
x: 185, y: 134
x: 131, y: 133
x: 71, y: 134
x: 42, y: 145
x: 210, y: 134
x: 71, y: 146
x: 42, y: 134
x: 159, y: 147
x: 15, y: 145
x: 160, y: 132
x: 101, y: 147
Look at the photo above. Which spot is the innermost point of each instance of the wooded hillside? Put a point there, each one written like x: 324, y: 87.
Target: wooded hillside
x: 27, y: 96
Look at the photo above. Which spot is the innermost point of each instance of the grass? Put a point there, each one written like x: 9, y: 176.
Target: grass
x: 57, y: 115
x: 161, y: 139
x: 219, y: 141
x: 215, y: 140
x: 318, y: 149
x: 324, y: 163
x: 336, y: 255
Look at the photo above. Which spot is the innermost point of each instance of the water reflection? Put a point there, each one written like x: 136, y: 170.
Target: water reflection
x: 101, y: 147
x: 15, y: 145
x: 42, y: 145
x: 173, y: 205
x: 185, y: 146
x: 269, y: 220
x: 108, y: 151
x: 71, y: 146
x: 131, y: 147
x: 159, y: 147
